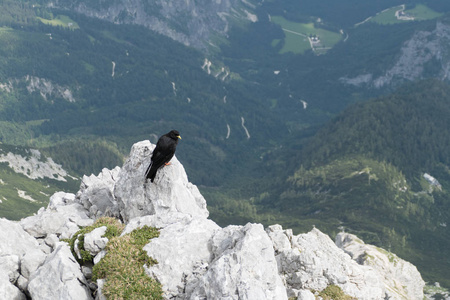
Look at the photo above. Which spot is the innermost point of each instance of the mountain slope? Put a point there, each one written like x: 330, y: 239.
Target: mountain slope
x: 27, y: 179
x: 121, y: 83
x: 365, y: 172
x: 192, y: 23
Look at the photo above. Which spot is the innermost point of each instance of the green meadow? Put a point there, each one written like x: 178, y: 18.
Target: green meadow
x: 420, y: 13
x: 60, y: 20
x: 296, y: 36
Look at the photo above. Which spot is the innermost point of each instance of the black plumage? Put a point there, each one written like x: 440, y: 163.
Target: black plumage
x: 163, y: 152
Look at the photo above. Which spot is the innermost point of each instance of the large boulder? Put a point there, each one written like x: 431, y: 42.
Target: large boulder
x: 401, y: 278
x: 63, y: 217
x: 243, y: 267
x: 16, y: 249
x: 60, y: 277
x: 170, y: 192
x: 14, y: 239
x: 8, y: 290
x: 182, y: 251
x: 312, y: 261
x: 96, y: 193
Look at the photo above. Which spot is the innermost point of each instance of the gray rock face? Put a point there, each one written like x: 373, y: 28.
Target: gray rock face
x: 62, y: 218
x: 244, y: 267
x: 312, y: 262
x: 96, y: 194
x: 8, y: 290
x: 60, y: 277
x: 401, y: 278
x: 181, y: 250
x: 16, y: 249
x: 14, y: 240
x: 424, y: 48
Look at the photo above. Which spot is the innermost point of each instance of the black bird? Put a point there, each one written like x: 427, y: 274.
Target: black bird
x: 163, y: 153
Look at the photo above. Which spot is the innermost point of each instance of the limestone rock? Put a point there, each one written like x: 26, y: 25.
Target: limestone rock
x: 170, y: 192
x: 31, y: 261
x: 401, y: 278
x: 14, y: 240
x: 60, y: 199
x: 15, y: 244
x: 96, y: 194
x: 313, y: 262
x: 8, y: 290
x: 94, y: 242
x: 305, y: 295
x: 9, y: 265
x: 181, y: 249
x: 59, y: 277
x: 244, y: 267
x: 158, y: 221
x: 63, y: 217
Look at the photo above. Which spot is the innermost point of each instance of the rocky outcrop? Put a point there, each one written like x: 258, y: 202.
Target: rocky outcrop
x: 59, y: 277
x: 424, y: 49
x: 243, y: 267
x: 33, y: 166
x: 63, y: 217
x: 96, y: 194
x: 197, y: 259
x: 50, y: 91
x: 401, y: 278
x: 312, y: 261
x: 171, y: 192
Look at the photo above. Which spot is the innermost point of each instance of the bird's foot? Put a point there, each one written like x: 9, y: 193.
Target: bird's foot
x: 168, y: 163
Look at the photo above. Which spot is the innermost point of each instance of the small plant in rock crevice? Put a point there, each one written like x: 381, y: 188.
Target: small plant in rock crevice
x: 334, y: 292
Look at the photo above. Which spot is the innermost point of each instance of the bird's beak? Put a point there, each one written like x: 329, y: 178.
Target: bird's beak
x: 179, y: 137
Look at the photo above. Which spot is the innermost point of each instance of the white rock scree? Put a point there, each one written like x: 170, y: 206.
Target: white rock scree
x: 197, y: 259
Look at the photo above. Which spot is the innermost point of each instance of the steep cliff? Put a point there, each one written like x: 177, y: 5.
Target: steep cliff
x: 196, y: 258
x: 425, y: 54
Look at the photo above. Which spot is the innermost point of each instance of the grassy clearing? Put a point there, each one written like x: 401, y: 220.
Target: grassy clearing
x: 420, y: 13
x: 295, y: 43
x: 296, y: 36
x: 60, y: 20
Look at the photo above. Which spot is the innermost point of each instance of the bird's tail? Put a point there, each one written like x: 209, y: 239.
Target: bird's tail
x: 148, y: 170
x: 150, y: 173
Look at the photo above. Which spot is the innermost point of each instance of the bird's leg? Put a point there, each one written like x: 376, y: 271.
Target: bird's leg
x: 167, y: 163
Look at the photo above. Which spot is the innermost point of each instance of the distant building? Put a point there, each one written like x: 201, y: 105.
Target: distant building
x: 433, y: 181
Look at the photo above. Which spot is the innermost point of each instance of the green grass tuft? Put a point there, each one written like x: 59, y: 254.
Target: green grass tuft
x: 123, y: 267
x: 334, y: 292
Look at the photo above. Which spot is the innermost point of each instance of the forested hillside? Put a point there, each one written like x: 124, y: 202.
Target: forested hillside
x: 364, y: 173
